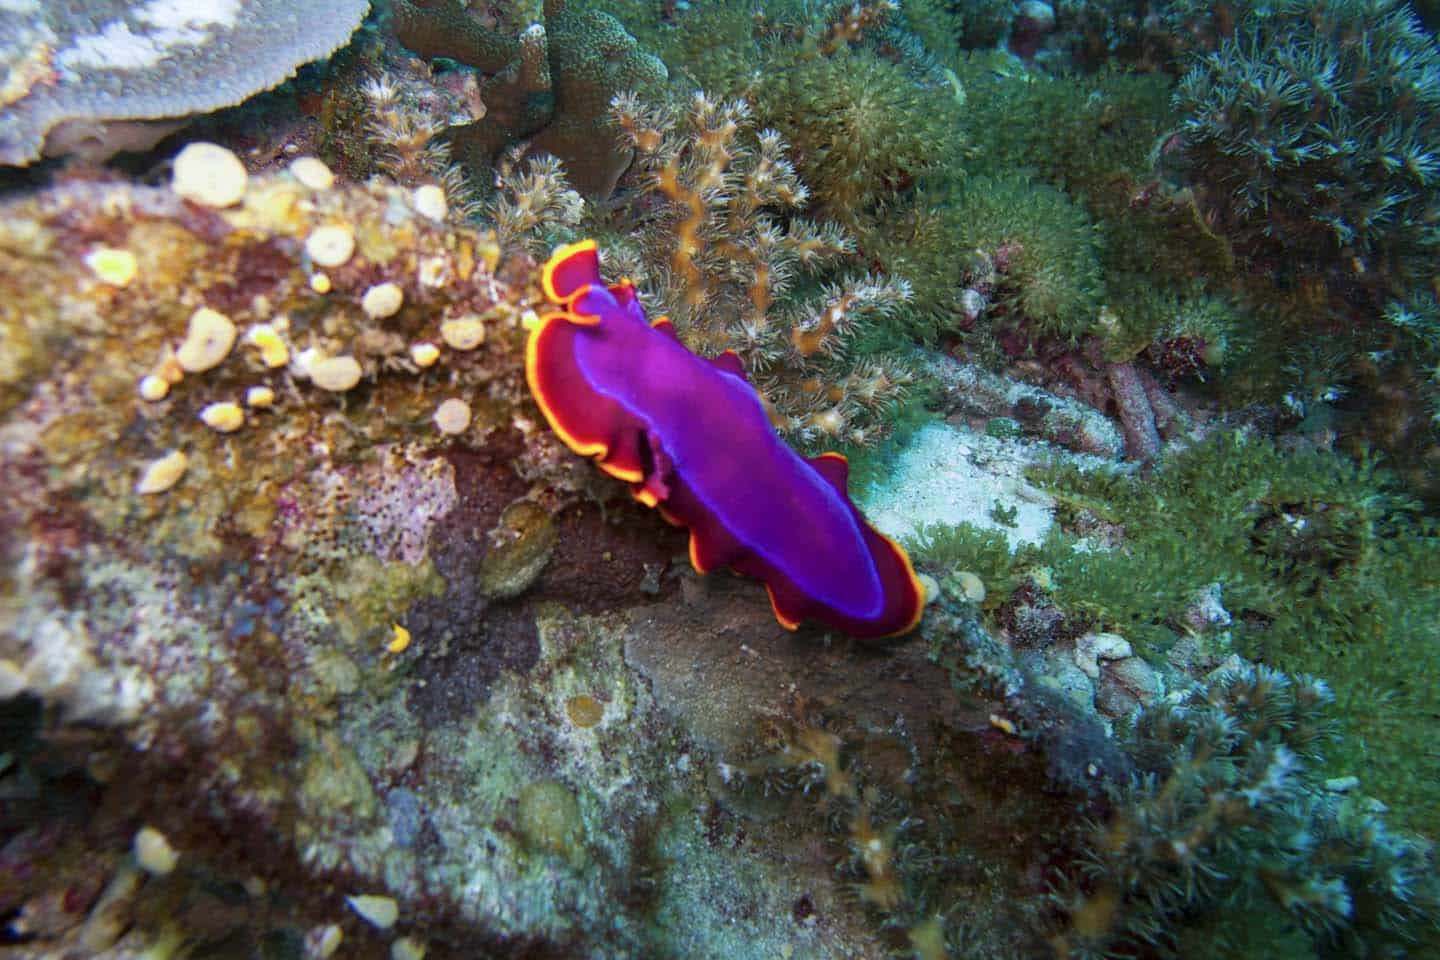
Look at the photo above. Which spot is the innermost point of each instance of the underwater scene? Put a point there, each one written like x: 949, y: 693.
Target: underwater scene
x: 736, y: 479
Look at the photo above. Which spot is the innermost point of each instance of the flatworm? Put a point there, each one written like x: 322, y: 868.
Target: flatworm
x: 692, y: 438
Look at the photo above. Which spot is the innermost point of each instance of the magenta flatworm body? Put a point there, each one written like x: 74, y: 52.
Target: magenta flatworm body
x: 692, y: 438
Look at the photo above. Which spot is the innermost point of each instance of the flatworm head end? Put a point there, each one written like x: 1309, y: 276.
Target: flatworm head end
x: 570, y: 269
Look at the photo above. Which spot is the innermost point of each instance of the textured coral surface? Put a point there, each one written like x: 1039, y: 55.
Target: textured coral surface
x: 87, y: 75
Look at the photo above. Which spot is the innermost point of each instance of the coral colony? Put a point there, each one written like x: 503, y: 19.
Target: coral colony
x: 403, y: 404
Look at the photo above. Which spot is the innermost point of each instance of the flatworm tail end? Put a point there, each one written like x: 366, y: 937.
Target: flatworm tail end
x: 904, y: 603
x: 907, y: 593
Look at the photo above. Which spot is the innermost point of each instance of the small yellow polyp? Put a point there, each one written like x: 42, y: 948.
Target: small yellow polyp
x: 400, y: 641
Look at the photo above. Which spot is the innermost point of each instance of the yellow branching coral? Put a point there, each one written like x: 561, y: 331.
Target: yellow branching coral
x: 744, y: 272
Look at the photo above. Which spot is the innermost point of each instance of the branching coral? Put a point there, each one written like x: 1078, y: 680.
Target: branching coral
x: 744, y: 273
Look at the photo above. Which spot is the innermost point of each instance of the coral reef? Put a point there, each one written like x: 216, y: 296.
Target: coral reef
x: 318, y: 627
x: 314, y: 641
x: 117, y: 75
x: 1035, y: 255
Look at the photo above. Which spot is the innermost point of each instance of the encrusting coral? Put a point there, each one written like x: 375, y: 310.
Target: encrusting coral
x: 549, y: 87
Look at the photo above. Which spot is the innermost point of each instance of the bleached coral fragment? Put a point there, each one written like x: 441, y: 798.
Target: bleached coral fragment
x: 273, y: 351
x: 321, y: 943
x: 463, y: 333
x: 380, y: 912
x: 260, y: 397
x: 154, y: 388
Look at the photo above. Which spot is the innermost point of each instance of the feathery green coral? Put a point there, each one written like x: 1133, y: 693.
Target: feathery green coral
x: 1039, y: 247
x: 1325, y: 567
x: 859, y: 127
x: 1317, y: 131
x: 1225, y: 828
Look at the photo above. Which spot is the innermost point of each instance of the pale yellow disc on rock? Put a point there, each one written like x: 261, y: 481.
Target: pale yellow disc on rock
x: 208, y: 341
x: 312, y: 173
x: 210, y: 175
x: 330, y: 246
x: 382, y: 300
x: 452, y: 416
x: 336, y: 374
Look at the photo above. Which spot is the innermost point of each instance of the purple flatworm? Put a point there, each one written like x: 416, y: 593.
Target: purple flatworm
x: 692, y: 438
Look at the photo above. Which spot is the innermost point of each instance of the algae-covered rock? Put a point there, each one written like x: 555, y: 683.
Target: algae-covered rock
x: 330, y: 644
x: 521, y: 545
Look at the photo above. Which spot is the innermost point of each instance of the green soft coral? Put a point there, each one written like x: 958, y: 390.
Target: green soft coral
x: 1326, y: 567
x: 1038, y: 248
